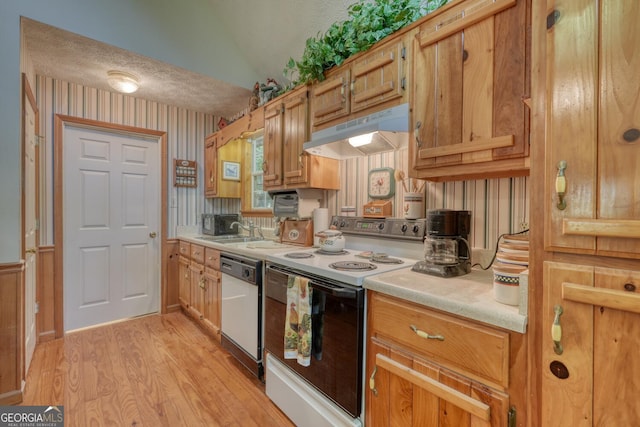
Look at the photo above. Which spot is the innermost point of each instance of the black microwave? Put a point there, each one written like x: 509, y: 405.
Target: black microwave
x: 219, y: 224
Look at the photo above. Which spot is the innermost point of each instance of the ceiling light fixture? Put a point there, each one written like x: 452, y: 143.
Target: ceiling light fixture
x: 122, y: 82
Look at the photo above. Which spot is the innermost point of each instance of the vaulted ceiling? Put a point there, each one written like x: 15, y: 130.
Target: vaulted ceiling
x: 254, y: 26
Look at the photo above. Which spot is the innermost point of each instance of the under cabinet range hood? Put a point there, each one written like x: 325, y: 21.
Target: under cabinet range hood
x: 389, y: 130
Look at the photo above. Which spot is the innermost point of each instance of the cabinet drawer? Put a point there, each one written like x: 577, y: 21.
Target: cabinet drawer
x: 212, y: 258
x: 185, y: 248
x: 466, y: 347
x: 197, y: 253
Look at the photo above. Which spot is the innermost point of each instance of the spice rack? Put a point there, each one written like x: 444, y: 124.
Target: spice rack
x: 185, y: 173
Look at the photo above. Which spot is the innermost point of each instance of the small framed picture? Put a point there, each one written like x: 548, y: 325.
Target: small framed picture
x: 231, y: 171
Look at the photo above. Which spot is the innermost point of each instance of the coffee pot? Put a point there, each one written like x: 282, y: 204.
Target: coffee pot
x: 446, y: 246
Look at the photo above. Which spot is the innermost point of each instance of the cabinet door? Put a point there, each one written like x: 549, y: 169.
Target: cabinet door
x: 470, y: 76
x: 593, y: 127
x: 295, y: 134
x: 210, y: 170
x: 184, y: 282
x: 212, y: 298
x: 378, y: 76
x: 196, y: 272
x: 330, y: 99
x: 407, y: 390
x: 593, y: 379
x: 272, y: 145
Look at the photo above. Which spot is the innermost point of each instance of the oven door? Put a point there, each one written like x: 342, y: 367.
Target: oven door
x: 337, y: 320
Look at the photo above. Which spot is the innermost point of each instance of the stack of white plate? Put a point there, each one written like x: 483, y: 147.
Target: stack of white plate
x: 512, y: 259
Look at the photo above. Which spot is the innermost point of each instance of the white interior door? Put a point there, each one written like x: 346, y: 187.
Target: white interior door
x: 111, y: 218
x: 30, y: 230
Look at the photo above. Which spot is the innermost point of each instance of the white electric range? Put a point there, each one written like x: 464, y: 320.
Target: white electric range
x: 373, y: 246
x: 331, y: 386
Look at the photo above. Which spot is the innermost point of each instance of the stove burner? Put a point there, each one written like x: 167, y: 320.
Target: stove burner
x: 385, y: 259
x: 299, y: 255
x: 324, y: 252
x: 352, y: 266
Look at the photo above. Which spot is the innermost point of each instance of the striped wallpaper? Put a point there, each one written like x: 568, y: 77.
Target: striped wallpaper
x: 498, y: 205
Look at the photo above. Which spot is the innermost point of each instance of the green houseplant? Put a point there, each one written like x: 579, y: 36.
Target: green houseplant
x: 369, y: 22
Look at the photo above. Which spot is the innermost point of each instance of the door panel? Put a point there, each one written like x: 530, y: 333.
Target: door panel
x: 111, y: 199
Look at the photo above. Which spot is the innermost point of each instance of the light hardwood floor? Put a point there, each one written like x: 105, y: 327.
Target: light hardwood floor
x: 158, y: 370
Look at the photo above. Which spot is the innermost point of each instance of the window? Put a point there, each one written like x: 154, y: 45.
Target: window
x: 260, y: 199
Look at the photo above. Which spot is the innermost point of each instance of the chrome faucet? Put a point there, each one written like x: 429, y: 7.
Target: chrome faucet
x: 250, y: 228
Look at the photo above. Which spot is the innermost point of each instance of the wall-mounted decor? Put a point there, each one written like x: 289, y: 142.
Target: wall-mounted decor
x: 231, y: 171
x: 185, y: 173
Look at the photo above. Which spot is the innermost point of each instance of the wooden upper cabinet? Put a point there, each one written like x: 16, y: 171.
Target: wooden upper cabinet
x: 210, y: 169
x: 371, y: 81
x: 330, y: 98
x: 286, y: 164
x: 469, y: 88
x: 378, y: 76
x: 593, y: 133
x: 295, y: 122
x: 272, y: 145
x: 226, y: 145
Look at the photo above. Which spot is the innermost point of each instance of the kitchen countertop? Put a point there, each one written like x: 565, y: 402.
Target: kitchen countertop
x: 469, y: 296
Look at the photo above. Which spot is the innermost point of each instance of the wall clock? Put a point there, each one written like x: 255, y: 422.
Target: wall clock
x: 381, y: 184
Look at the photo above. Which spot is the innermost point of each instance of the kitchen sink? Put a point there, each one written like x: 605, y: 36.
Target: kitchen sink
x: 230, y: 239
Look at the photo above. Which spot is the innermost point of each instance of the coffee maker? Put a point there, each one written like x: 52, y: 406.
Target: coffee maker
x: 446, y: 246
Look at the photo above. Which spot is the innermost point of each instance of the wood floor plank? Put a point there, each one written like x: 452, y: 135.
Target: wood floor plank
x: 159, y: 370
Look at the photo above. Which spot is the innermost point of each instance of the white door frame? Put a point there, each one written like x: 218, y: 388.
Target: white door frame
x: 60, y: 122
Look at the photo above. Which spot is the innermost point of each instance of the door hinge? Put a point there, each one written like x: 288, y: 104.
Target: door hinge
x: 403, y: 53
x: 403, y: 83
x: 37, y: 224
x: 37, y: 308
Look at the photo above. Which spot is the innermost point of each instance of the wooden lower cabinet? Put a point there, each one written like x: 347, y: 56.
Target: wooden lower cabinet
x: 591, y: 376
x: 412, y: 380
x: 200, y: 285
x: 184, y: 282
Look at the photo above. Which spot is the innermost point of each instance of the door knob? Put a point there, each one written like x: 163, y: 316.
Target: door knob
x: 153, y: 234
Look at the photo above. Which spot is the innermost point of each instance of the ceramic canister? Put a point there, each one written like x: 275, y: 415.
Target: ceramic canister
x: 506, y: 282
x: 413, y: 205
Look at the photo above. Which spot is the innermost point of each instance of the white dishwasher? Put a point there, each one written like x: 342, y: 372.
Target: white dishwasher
x: 241, y: 307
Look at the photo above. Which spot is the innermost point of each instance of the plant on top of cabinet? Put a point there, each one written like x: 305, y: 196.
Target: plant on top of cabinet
x: 368, y: 23
x: 469, y: 85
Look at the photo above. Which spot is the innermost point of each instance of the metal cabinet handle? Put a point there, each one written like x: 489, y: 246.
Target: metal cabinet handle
x: 561, y: 185
x: 372, y: 381
x: 556, y: 330
x: 264, y: 166
x: 423, y: 334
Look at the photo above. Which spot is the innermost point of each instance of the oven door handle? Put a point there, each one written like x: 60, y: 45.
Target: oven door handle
x: 337, y: 291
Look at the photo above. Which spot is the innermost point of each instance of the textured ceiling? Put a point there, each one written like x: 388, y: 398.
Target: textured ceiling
x: 268, y: 33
